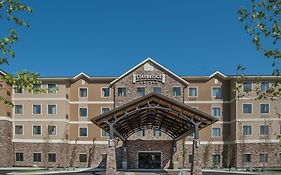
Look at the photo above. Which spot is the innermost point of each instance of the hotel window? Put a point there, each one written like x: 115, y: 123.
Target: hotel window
x: 157, y: 132
x: 105, y: 92
x: 19, y: 129
x: 216, y: 111
x: 19, y: 157
x: 18, y: 109
x: 52, y: 109
x: 141, y: 132
x: 247, y: 108
x: 263, y: 157
x: 216, y: 158
x: 216, y: 92
x: 192, y: 92
x: 36, y: 109
x: 264, y: 86
x: 176, y: 91
x: 52, y: 88
x: 18, y: 90
x: 264, y: 108
x: 104, y: 134
x: 140, y: 91
x: 247, y: 158
x: 247, y: 130
x: 83, y: 157
x: 264, y: 129
x: 104, y: 110
x: 83, y: 132
x: 121, y: 92
x: 216, y: 132
x: 247, y: 87
x: 36, y: 88
x: 83, y: 112
x: 157, y: 90
x: 52, y: 130
x: 36, y: 130
x: 83, y: 92
x: 36, y: 157
x: 51, y: 157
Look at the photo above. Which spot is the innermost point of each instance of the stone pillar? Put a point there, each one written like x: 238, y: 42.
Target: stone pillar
x: 111, y: 168
x: 196, y: 166
x: 125, y: 156
x: 174, y: 159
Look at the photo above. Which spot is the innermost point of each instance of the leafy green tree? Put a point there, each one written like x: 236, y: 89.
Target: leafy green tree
x: 10, y: 12
x: 261, y: 20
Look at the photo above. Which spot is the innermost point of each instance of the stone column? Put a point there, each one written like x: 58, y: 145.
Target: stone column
x: 196, y: 166
x: 111, y: 168
x: 174, y: 160
x: 125, y: 156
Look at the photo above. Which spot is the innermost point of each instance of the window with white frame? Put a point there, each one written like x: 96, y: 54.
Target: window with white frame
x: 83, y: 112
x: 52, y: 157
x: 176, y: 91
x: 52, y: 88
x: 36, y: 157
x: 247, y: 158
x: 247, y: 86
x: 18, y: 109
x: 83, y: 92
x: 192, y: 92
x: 36, y: 109
x: 216, y: 158
x: 104, y: 109
x: 18, y: 90
x: 247, y: 108
x: 52, y: 109
x: 36, y: 130
x: 264, y: 129
x: 247, y: 130
x: 157, y: 90
x: 216, y: 132
x: 264, y: 86
x: 264, y: 108
x: 263, y: 157
x: 216, y: 92
x: 18, y: 129
x: 216, y: 111
x: 105, y: 92
x: 52, y: 130
x: 121, y: 91
x: 19, y: 157
x: 83, y: 132
x: 83, y: 157
x: 140, y: 91
x: 104, y: 133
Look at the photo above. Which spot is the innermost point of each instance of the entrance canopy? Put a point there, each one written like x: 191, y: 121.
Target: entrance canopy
x: 153, y: 111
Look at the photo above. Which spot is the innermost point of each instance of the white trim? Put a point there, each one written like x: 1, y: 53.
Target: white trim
x: 79, y: 92
x: 81, y: 74
x: 143, y: 62
x: 5, y: 118
x: 14, y: 130
x: 55, y: 130
x: 218, y: 117
x: 252, y: 107
x: 216, y: 97
x: 40, y: 129
x: 217, y: 73
x: 102, y: 96
x: 33, y: 111
x: 252, y: 130
x: 197, y: 91
x: 220, y: 132
x: 14, y: 111
x: 268, y: 109
x: 102, y: 135
x: 80, y: 133
x: 207, y: 102
x: 79, y: 112
x: 48, y: 110
x: 2, y: 72
x: 63, y: 99
x: 91, y: 102
x: 58, y: 141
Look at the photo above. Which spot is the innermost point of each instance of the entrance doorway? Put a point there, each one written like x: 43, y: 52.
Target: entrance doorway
x: 149, y: 160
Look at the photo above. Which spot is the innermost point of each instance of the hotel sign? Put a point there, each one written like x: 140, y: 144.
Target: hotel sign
x: 148, y: 78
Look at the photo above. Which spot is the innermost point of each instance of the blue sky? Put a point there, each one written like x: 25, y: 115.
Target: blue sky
x: 108, y: 37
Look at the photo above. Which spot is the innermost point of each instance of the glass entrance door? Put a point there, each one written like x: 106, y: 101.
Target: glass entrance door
x: 150, y: 160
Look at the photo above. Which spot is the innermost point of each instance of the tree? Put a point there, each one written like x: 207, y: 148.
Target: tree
x: 10, y: 10
x: 261, y: 20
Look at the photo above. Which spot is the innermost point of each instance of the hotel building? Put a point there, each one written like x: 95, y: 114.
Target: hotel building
x: 56, y: 129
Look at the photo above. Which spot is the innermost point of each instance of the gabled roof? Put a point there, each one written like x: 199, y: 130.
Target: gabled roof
x: 2, y: 72
x: 154, y: 111
x: 81, y: 74
x: 217, y: 73
x: 154, y: 62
